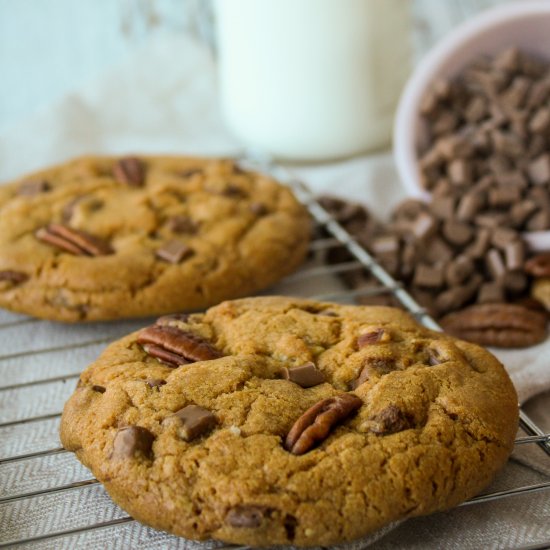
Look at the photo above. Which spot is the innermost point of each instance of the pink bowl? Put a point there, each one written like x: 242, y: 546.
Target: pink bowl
x: 524, y: 24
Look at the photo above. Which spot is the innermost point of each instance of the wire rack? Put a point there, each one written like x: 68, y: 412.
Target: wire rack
x: 48, y: 500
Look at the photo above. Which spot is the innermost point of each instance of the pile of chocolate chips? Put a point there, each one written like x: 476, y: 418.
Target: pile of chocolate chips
x: 488, y: 149
x: 475, y: 281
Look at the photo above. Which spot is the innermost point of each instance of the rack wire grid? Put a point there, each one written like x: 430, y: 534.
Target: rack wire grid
x: 48, y: 499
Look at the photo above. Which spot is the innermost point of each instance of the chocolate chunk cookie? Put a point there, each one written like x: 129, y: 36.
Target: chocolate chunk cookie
x: 103, y: 238
x: 285, y: 421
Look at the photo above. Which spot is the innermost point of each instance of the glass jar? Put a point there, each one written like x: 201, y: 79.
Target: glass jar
x: 312, y: 79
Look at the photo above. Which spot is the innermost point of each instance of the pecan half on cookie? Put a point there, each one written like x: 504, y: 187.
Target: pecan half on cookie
x: 316, y: 423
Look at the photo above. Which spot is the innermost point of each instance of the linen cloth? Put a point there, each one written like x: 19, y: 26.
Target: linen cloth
x: 163, y: 100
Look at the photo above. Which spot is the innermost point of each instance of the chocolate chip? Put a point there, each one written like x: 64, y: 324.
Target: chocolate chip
x: 68, y: 210
x: 460, y: 172
x: 99, y: 389
x: 192, y: 421
x: 503, y: 196
x: 388, y: 244
x: 459, y: 270
x: 174, y: 252
x: 491, y: 293
x: 444, y: 207
x: 424, y: 226
x: 130, y: 171
x: 258, y: 209
x: 502, y: 237
x: 427, y: 276
x: 182, y: 224
x: 188, y: 172
x: 363, y: 377
x: 539, y: 222
x: 373, y: 337
x: 515, y: 282
x: 470, y: 204
x: 246, y: 515
x: 33, y: 187
x: 434, y: 358
x: 515, y: 255
x: 521, y: 211
x: 495, y: 264
x: 14, y: 277
x: 328, y: 313
x: 72, y: 240
x: 457, y: 233
x: 539, y: 169
x: 167, y: 319
x: 540, y: 121
x: 508, y: 60
x: 187, y: 346
x: 155, y: 382
x: 133, y: 442
x: 306, y: 375
x: 377, y: 366
x: 391, y: 420
x: 234, y: 191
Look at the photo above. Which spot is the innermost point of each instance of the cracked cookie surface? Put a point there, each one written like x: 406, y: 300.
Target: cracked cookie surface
x: 103, y: 238
x: 401, y: 421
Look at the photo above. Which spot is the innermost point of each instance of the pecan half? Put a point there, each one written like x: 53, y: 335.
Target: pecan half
x: 539, y: 265
x: 316, y: 423
x: 73, y: 241
x: 164, y: 356
x: 129, y: 170
x: 500, y: 325
x: 178, y: 347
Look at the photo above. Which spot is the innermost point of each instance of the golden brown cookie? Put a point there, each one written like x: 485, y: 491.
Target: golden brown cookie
x: 285, y: 421
x: 104, y: 238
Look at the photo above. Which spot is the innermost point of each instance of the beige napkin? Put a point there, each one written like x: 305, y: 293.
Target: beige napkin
x: 164, y: 100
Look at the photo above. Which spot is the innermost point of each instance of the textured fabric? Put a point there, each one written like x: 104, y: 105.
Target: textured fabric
x: 163, y: 100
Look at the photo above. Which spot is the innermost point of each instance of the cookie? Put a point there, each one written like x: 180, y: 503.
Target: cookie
x: 286, y: 421
x: 103, y: 238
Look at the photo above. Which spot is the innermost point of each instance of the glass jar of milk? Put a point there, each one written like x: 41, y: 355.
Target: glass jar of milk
x: 312, y: 79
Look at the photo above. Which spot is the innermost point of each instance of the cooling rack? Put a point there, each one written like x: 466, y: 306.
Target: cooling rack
x: 48, y: 500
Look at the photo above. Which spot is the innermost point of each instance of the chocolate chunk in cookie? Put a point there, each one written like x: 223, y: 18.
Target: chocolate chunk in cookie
x: 174, y: 252
x: 306, y: 375
x: 373, y: 337
x: 191, y: 421
x: 133, y: 442
x: 31, y: 188
x: 12, y: 276
x: 391, y: 420
x: 248, y: 516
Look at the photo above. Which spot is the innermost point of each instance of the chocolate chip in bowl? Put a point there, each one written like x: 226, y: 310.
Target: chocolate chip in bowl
x: 453, y: 268
x: 475, y: 112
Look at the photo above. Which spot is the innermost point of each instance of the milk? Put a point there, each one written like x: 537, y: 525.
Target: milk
x: 312, y: 79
